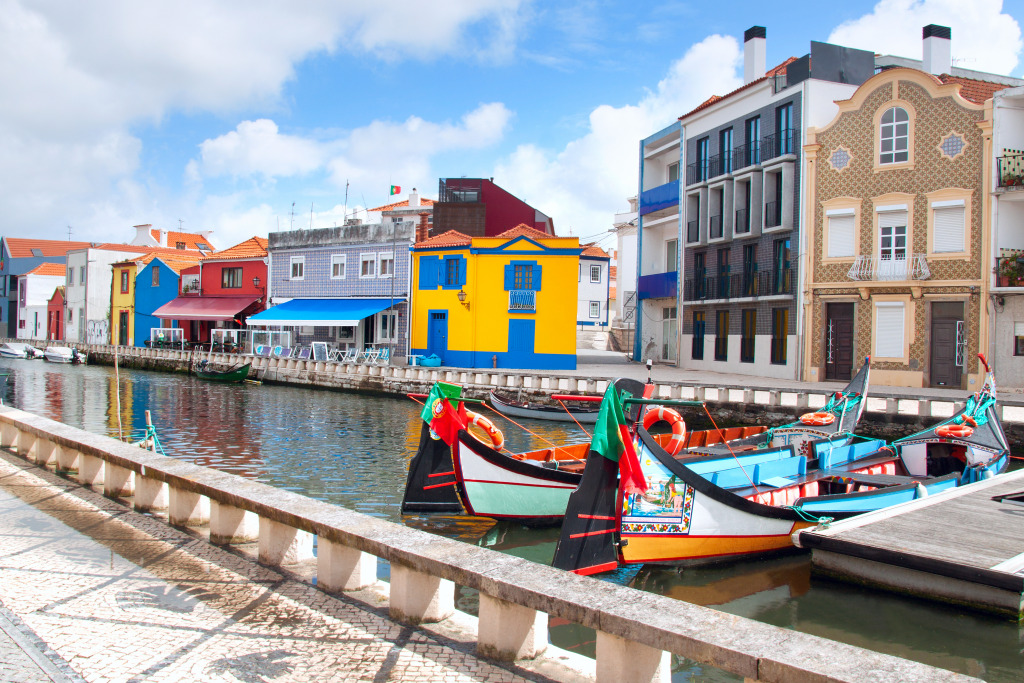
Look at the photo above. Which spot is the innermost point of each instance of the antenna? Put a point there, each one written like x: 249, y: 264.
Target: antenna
x: 69, y: 233
x: 291, y: 225
x: 311, y: 215
x: 345, y: 214
x: 179, y: 224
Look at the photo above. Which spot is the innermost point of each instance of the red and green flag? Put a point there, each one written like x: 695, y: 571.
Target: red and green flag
x: 613, y: 441
x: 440, y: 414
x: 396, y: 189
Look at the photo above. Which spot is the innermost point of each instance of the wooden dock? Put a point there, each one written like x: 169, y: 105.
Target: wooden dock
x: 963, y: 546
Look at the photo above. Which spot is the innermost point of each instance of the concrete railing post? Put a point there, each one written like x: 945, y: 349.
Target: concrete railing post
x: 282, y: 544
x: 150, y: 494
x: 341, y: 568
x: 118, y: 482
x: 230, y: 524
x: 46, y: 453
x: 67, y: 460
x: 417, y: 597
x: 508, y: 631
x: 90, y: 470
x: 9, y: 437
x: 28, y: 445
x: 626, y: 661
x: 186, y: 508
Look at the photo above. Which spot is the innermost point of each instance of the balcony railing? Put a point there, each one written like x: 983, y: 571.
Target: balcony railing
x: 522, y: 300
x: 742, y: 224
x: 697, y: 172
x: 720, y: 164
x: 778, y: 144
x: 738, y: 285
x: 1010, y: 169
x: 714, y: 227
x: 1009, y: 271
x: 915, y: 267
x: 747, y: 155
x: 746, y: 349
x: 661, y: 197
x: 657, y: 286
x: 692, y: 231
x: 772, y: 214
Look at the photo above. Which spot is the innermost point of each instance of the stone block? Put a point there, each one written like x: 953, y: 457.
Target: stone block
x: 418, y: 598
x: 624, y: 661
x: 341, y: 568
x: 186, y: 508
x: 67, y: 460
x: 508, y: 631
x: 150, y: 494
x: 230, y: 524
x: 282, y: 544
x: 118, y: 482
x: 9, y: 437
x: 90, y: 470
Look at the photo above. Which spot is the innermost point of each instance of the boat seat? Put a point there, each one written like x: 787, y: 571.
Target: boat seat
x: 882, y: 480
x: 776, y: 473
x: 706, y: 466
x: 839, y: 455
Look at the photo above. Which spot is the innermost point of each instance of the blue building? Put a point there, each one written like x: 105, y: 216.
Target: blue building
x: 155, y: 285
x: 18, y: 256
x: 348, y: 286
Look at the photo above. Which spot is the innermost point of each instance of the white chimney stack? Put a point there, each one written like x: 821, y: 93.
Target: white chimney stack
x: 143, y: 235
x: 163, y: 238
x: 937, y: 52
x: 754, y: 53
x: 414, y: 198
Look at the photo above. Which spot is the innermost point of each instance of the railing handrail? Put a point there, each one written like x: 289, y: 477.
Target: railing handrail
x: 522, y: 299
x: 866, y: 267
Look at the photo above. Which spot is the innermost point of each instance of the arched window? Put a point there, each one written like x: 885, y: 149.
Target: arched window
x: 894, y: 136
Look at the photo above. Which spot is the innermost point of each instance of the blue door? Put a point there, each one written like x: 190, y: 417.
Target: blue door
x: 521, y: 342
x: 437, y: 334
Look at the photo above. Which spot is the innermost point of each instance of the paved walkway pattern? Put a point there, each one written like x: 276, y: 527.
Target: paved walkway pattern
x: 92, y: 590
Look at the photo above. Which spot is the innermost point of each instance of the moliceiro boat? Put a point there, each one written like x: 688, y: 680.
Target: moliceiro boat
x: 204, y: 371
x: 518, y: 409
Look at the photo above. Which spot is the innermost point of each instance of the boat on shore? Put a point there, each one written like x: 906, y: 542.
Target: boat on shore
x: 64, y: 354
x: 239, y: 374
x: 748, y: 502
x: 19, y: 350
x: 508, y: 406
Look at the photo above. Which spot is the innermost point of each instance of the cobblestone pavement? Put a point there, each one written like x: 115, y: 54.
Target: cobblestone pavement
x: 92, y: 590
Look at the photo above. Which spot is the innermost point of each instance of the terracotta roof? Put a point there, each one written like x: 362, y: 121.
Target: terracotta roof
x: 177, y: 265
x: 594, y: 250
x: 775, y: 71
x: 452, y: 238
x: 58, y: 290
x: 20, y: 247
x: 424, y: 202
x: 54, y: 269
x: 187, y: 257
x: 972, y: 89
x: 254, y: 247
x: 192, y: 240
x: 524, y: 230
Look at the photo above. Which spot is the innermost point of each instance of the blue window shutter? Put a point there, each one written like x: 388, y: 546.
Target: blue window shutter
x: 510, y: 274
x: 428, y: 272
x: 463, y: 263
x: 536, y: 278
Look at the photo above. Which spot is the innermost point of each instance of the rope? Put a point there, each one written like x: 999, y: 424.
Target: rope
x: 574, y: 419
x: 807, y: 516
x: 726, y: 443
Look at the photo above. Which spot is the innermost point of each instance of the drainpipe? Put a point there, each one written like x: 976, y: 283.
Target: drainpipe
x: 638, y: 311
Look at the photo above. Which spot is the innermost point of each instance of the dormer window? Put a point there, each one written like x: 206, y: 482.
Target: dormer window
x: 894, y: 136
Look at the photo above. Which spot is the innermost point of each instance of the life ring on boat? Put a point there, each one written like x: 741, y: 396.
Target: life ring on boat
x: 954, y: 431
x: 970, y: 421
x: 675, y: 421
x: 818, y: 419
x: 492, y: 432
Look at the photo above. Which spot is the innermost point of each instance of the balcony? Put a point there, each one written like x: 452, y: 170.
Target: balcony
x: 720, y: 164
x: 738, y: 285
x: 876, y: 268
x: 1010, y: 171
x: 522, y: 301
x: 657, y: 286
x: 747, y: 155
x: 697, y: 172
x: 1009, y: 271
x: 692, y: 232
x: 772, y: 214
x: 191, y: 288
x: 742, y: 224
x: 779, y: 144
x: 661, y: 197
x: 715, y: 227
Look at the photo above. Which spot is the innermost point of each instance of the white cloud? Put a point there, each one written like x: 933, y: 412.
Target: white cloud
x: 582, y: 185
x: 257, y: 148
x: 984, y: 38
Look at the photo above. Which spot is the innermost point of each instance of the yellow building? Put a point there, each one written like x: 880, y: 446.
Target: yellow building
x: 122, y: 303
x: 507, y: 301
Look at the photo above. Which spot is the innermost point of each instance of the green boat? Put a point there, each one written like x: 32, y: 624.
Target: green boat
x: 239, y: 374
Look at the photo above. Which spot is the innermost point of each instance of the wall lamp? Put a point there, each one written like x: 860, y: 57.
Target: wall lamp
x: 462, y: 298
x: 256, y: 284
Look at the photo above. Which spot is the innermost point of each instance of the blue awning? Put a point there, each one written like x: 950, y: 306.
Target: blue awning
x: 321, y: 312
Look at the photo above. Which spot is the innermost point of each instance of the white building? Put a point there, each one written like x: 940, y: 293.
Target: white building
x: 87, y: 291
x: 594, y: 284
x: 148, y: 236
x: 34, y: 291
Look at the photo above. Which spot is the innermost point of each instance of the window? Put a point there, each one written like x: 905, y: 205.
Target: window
x: 780, y: 334
x: 781, y: 273
x: 948, y: 227
x: 723, y: 273
x: 124, y: 281
x: 889, y: 329
x: 722, y: 335
x: 338, y: 267
x: 156, y: 276
x: 725, y: 150
x: 595, y: 273
x: 231, y: 278
x: 669, y: 330
x: 451, y: 272
x: 784, y: 128
x: 22, y: 287
x: 749, y: 333
x: 840, y: 233
x: 699, y: 275
x: 702, y: 160
x: 1018, y: 339
x: 595, y: 309
x: 367, y: 265
x: 673, y: 172
x: 81, y: 275
x: 749, y: 270
x: 894, y: 136
x: 387, y: 264
x: 298, y: 268
x: 671, y: 256
x: 753, y: 135
x: 387, y: 326
x: 179, y: 245
x: 470, y: 196
x: 892, y: 245
x: 522, y: 277
x: 71, y: 276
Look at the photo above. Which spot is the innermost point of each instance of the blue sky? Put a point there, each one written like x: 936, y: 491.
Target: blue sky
x: 222, y: 114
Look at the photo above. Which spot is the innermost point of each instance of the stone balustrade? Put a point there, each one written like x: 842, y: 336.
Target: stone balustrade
x: 636, y: 631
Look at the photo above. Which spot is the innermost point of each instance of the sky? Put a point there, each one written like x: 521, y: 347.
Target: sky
x: 252, y: 116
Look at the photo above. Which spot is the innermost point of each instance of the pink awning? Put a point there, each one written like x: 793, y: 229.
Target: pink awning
x: 203, y: 308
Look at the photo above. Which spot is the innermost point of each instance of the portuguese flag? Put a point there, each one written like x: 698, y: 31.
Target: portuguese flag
x: 396, y: 189
x: 439, y: 413
x: 612, y: 440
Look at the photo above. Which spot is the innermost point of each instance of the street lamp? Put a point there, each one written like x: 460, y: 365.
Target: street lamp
x: 462, y: 298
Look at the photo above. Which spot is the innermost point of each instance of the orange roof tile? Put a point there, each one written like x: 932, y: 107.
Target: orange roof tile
x: 192, y: 240
x: 972, y: 89
x: 594, y: 250
x: 452, y: 238
x: 775, y: 71
x: 166, y: 255
x: 254, y: 247
x: 424, y: 202
x: 524, y: 230
x: 53, y: 269
x: 20, y: 247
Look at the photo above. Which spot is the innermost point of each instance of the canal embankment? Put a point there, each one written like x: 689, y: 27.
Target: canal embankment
x: 636, y: 632
x: 890, y: 412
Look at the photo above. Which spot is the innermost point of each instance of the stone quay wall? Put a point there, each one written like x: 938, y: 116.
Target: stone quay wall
x: 636, y: 631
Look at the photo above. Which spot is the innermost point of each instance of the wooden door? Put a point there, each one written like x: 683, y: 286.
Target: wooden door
x: 946, y: 330
x: 123, y: 329
x: 838, y: 341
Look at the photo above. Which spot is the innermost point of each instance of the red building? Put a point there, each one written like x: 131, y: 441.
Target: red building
x: 221, y: 292
x: 54, y: 311
x: 478, y: 208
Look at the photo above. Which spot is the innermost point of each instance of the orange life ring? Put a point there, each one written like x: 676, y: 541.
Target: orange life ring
x: 675, y: 420
x: 492, y: 432
x: 954, y: 431
x: 818, y: 419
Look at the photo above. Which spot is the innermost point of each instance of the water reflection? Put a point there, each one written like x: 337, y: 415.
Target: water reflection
x: 353, y: 450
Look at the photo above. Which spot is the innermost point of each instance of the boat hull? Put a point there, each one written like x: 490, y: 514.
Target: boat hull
x: 543, y: 412
x: 236, y: 375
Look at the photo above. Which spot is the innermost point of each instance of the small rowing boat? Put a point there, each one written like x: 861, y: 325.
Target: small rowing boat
x: 203, y: 371
x: 508, y: 406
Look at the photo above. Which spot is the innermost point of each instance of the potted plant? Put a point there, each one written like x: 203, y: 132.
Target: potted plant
x: 1010, y: 272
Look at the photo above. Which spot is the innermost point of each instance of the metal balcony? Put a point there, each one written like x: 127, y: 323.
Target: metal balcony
x: 657, y: 286
x: 772, y: 214
x: 747, y: 155
x: 744, y: 285
x: 1010, y: 171
x: 890, y: 269
x: 692, y: 232
x: 778, y: 144
x: 522, y: 300
x: 661, y: 197
x: 742, y: 224
x: 715, y: 227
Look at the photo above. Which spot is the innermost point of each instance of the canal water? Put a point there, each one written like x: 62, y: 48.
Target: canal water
x: 353, y: 450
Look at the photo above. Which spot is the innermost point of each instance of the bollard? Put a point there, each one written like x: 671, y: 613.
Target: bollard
x: 418, y: 598
x: 341, y: 568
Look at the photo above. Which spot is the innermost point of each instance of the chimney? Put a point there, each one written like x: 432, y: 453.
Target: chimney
x: 423, y: 229
x: 937, y: 54
x: 414, y: 198
x: 754, y: 53
x: 143, y: 235
x: 163, y: 238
